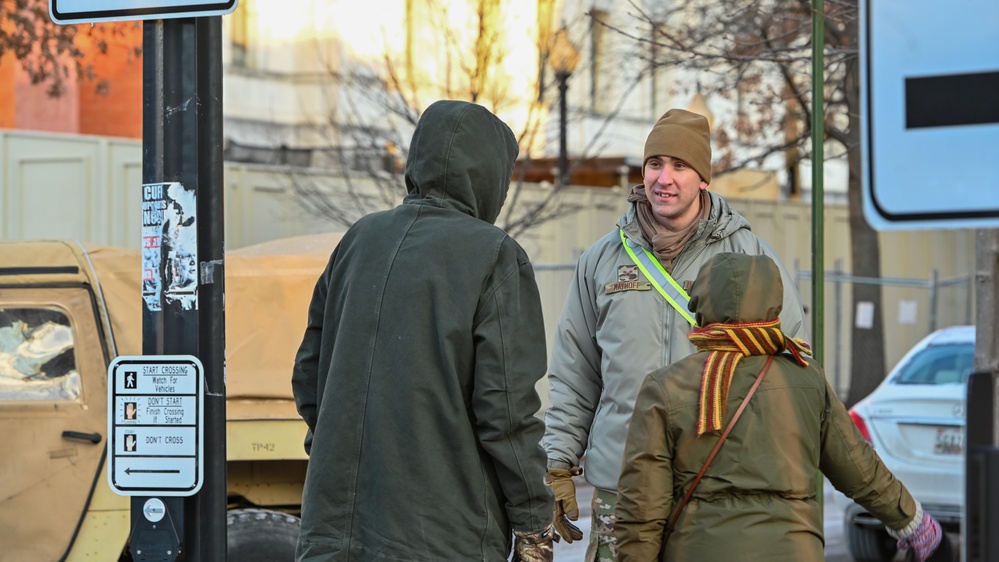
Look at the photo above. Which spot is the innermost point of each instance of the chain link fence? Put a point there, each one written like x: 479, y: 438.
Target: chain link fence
x: 912, y: 308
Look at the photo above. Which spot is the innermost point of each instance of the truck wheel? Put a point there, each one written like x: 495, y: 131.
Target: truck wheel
x: 869, y: 544
x: 261, y: 535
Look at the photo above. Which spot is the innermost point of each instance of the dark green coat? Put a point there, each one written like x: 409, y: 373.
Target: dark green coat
x: 417, y: 370
x: 758, y: 499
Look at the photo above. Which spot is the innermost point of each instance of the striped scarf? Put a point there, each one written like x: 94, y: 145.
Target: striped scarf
x: 726, y: 344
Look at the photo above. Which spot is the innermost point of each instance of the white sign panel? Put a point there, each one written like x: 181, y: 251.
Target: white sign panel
x: 155, y: 432
x: 86, y: 11
x: 930, y: 120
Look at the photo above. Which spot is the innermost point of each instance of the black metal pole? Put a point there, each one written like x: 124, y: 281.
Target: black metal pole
x: 153, y: 165
x: 170, y: 318
x: 980, y: 541
x: 563, y: 152
x: 212, y: 499
x: 145, y: 540
x: 170, y: 154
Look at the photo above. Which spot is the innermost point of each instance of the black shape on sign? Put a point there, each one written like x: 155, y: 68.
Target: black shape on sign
x: 951, y: 100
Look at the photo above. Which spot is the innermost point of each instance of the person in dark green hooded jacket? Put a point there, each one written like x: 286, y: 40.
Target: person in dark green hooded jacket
x: 758, y: 499
x: 416, y: 375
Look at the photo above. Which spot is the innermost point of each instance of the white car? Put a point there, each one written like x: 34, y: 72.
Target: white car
x: 915, y: 421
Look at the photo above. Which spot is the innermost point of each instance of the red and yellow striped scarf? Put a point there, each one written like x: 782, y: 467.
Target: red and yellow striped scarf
x: 727, y: 344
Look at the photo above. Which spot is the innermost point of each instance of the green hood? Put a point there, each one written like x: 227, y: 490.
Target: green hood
x: 734, y: 288
x: 448, y: 165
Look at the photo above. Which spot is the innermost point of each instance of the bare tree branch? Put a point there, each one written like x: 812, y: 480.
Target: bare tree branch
x: 378, y: 108
x: 755, y: 58
x: 50, y: 54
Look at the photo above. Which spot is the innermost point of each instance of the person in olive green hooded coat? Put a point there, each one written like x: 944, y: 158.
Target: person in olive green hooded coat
x: 416, y: 375
x: 758, y: 498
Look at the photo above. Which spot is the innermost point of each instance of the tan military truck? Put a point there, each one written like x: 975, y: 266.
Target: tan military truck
x: 67, y: 310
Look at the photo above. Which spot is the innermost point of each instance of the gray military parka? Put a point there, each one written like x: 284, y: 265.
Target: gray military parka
x: 758, y: 499
x: 417, y: 371
x: 612, y: 333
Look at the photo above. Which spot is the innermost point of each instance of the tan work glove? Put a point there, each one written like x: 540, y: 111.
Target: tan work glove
x: 534, y: 546
x: 560, y: 481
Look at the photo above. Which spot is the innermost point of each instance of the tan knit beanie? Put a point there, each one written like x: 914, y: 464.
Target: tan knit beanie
x: 682, y: 134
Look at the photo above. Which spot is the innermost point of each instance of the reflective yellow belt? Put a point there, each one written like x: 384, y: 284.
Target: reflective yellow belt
x: 656, y: 274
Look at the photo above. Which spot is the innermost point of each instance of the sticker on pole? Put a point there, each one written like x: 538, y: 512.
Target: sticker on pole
x: 169, y: 246
x: 155, y: 431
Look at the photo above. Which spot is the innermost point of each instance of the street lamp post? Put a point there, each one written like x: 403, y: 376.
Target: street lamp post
x: 563, y: 58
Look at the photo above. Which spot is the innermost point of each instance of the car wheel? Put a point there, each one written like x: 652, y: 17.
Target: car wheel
x: 869, y: 544
x: 261, y: 535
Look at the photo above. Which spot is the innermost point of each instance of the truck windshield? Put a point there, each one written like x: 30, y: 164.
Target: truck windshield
x: 36, y: 355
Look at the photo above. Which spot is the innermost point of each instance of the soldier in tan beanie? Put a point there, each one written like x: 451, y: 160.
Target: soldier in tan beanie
x: 626, y: 315
x: 683, y: 135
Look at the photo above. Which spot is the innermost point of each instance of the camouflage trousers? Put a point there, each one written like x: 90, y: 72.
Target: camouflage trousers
x: 603, y: 545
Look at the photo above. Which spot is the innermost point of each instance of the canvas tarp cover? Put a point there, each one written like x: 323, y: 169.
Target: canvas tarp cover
x: 267, y: 291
